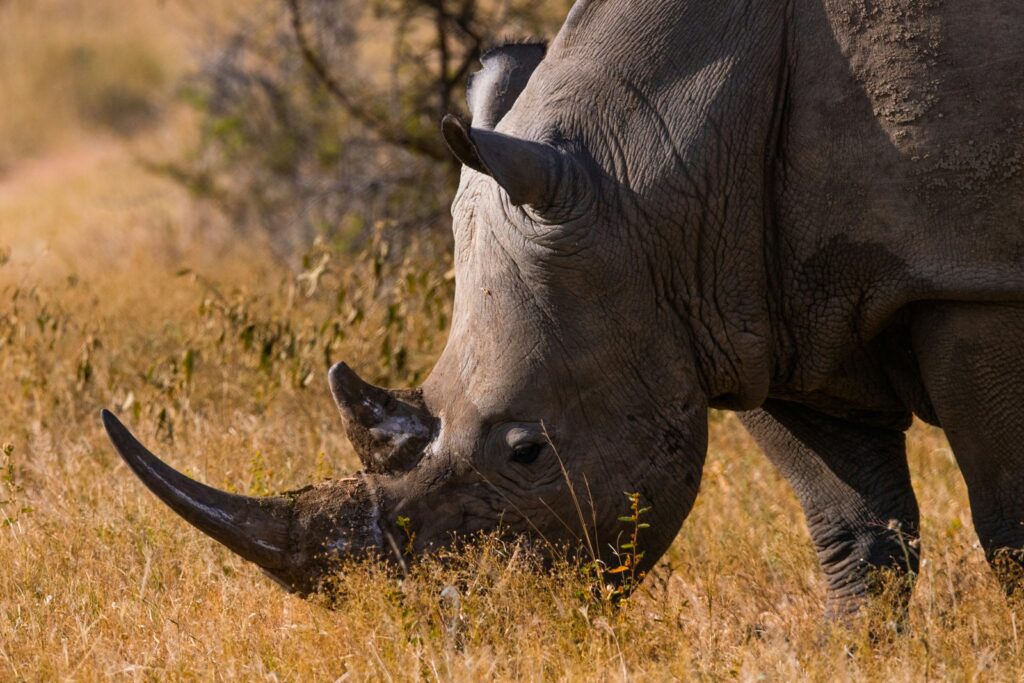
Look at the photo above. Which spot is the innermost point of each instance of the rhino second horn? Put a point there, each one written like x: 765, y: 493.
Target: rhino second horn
x: 255, y: 528
x: 388, y: 429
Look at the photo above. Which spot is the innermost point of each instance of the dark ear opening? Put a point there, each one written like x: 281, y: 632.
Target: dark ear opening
x: 456, y: 136
x: 495, y: 88
x: 549, y: 180
x: 528, y: 171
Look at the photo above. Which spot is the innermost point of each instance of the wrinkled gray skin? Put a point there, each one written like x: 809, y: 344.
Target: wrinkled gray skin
x: 811, y: 212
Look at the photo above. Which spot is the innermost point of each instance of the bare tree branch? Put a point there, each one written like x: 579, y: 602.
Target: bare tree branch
x: 464, y: 22
x: 419, y: 144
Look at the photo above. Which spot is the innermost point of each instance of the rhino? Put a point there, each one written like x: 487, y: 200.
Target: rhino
x: 808, y: 212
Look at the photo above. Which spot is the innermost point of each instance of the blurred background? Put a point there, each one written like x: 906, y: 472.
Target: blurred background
x: 248, y: 189
x: 280, y: 122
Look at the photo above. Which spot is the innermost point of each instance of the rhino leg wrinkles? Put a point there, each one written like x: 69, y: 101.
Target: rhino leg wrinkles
x: 972, y: 365
x: 851, y: 478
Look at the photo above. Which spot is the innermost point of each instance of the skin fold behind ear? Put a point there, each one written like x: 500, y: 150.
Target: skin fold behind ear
x: 494, y: 89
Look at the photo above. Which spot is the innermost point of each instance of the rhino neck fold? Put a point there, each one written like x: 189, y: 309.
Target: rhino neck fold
x: 686, y: 113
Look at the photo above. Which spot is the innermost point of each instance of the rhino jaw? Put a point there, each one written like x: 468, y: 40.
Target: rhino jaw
x: 297, y: 538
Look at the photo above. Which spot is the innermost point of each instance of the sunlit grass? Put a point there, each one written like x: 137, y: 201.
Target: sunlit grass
x: 101, y: 579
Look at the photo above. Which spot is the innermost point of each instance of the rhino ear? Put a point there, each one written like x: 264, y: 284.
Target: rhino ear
x: 494, y: 89
x: 535, y: 174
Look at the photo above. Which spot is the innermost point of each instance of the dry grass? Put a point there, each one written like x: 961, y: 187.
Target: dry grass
x: 221, y: 369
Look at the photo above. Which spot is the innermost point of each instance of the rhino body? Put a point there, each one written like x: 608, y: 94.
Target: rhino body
x: 811, y: 212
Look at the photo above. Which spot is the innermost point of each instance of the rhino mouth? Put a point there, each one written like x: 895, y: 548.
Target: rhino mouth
x: 298, y: 538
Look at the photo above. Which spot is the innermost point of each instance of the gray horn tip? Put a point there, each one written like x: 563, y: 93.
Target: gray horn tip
x: 137, y: 456
x: 107, y: 417
x: 346, y: 385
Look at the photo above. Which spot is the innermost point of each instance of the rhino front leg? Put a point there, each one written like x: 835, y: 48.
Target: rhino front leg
x: 971, y: 360
x: 852, y: 480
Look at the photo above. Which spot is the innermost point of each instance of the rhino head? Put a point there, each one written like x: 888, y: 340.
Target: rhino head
x: 566, y: 380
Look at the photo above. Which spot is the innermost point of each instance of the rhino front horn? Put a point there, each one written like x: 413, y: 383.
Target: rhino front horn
x: 256, y: 529
x: 388, y: 429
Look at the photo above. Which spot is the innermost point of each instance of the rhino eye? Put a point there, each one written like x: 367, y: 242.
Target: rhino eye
x: 527, y: 453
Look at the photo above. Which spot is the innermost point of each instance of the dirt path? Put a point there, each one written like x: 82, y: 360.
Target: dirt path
x: 32, y: 174
x: 83, y: 209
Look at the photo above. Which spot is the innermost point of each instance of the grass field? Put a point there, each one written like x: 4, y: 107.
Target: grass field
x: 116, y: 291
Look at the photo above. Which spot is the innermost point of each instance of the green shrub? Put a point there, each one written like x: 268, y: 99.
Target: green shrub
x: 321, y: 119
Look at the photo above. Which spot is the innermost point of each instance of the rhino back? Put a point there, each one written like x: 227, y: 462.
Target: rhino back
x: 806, y: 170
x: 916, y: 106
x: 901, y: 171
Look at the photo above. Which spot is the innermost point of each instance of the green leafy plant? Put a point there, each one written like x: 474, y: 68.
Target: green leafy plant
x: 306, y: 133
x: 10, y: 507
x: 629, y: 553
x: 405, y: 524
